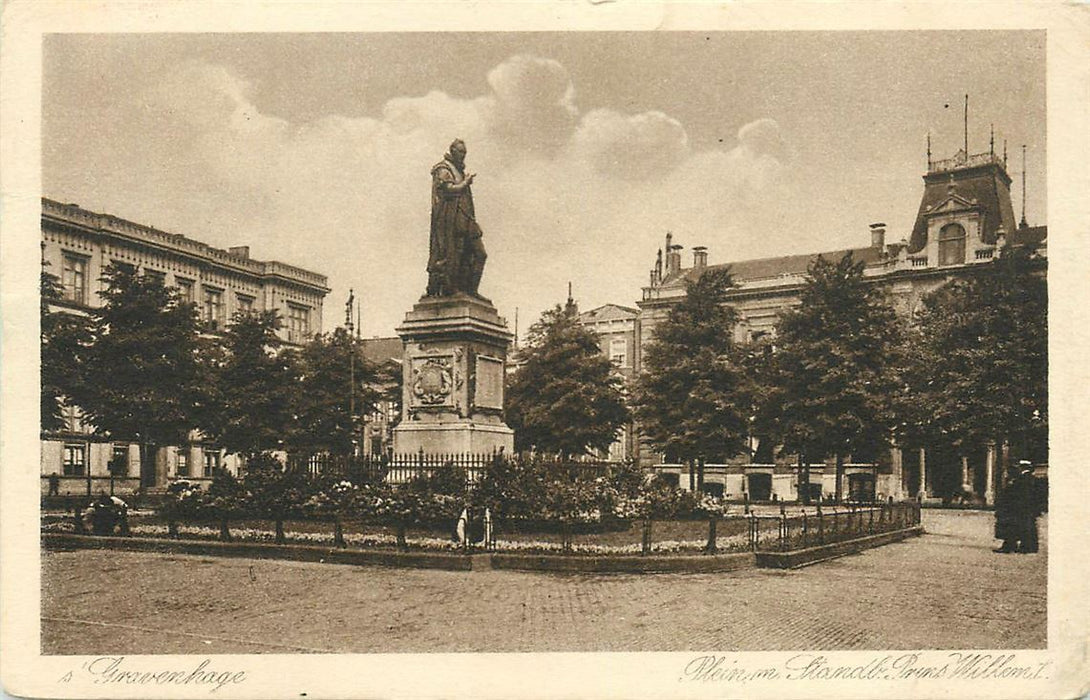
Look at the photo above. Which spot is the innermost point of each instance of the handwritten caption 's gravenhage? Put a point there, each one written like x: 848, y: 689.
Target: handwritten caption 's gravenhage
x: 817, y: 667
x: 117, y: 670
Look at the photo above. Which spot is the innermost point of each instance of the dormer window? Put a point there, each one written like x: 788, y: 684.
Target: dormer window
x: 952, y: 245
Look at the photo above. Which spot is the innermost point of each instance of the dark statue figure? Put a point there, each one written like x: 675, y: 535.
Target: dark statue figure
x: 456, y: 253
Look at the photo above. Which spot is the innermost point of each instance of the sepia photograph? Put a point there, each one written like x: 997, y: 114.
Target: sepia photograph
x: 724, y: 348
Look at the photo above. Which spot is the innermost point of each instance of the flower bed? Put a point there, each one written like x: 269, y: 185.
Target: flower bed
x: 674, y: 536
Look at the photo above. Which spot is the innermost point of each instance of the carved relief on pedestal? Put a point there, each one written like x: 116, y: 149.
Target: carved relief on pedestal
x: 433, y: 380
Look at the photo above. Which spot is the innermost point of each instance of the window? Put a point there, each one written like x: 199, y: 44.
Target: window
x: 185, y: 288
x: 183, y: 462
x: 211, y: 462
x: 212, y: 310
x: 952, y: 245
x: 75, y: 459
x: 74, y: 278
x: 298, y: 323
x: 245, y: 304
x: 119, y: 460
x: 618, y: 352
x: 156, y: 275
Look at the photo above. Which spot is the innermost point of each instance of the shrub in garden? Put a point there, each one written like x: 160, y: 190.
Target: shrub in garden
x: 572, y: 501
x: 402, y: 505
x: 227, y: 498
x: 654, y: 499
x: 183, y: 503
x: 274, y: 493
x: 333, y: 499
x: 712, y: 508
x: 514, y: 489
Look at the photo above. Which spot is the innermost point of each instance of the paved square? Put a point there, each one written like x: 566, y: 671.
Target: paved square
x: 943, y: 590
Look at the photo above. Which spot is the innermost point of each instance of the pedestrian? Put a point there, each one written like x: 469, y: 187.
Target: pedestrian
x: 1007, y: 524
x: 54, y: 484
x: 1028, y: 509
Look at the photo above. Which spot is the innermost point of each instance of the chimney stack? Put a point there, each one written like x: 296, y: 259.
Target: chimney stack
x: 700, y: 257
x: 242, y: 251
x: 878, y: 235
x: 673, y: 259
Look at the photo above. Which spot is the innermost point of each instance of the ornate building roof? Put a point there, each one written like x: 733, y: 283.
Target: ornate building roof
x: 979, y: 181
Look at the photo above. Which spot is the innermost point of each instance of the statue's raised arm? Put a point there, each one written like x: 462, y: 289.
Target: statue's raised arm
x: 456, y: 254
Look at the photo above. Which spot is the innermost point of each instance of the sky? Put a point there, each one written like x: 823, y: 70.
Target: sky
x: 316, y: 149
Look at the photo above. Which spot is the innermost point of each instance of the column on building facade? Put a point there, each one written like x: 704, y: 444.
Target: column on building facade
x: 965, y: 485
x: 896, y: 477
x: 922, y: 490
x: 989, y: 474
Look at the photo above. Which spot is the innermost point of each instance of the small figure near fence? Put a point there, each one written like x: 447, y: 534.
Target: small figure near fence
x: 473, y: 528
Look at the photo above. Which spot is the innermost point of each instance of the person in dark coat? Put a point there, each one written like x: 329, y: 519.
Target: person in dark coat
x: 1028, y: 508
x: 1007, y: 523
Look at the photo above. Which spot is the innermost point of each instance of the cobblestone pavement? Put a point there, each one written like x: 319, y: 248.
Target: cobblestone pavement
x: 943, y: 590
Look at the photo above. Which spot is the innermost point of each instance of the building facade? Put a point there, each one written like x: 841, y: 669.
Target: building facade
x: 77, y: 246
x: 617, y: 328
x: 965, y: 218
x: 377, y: 433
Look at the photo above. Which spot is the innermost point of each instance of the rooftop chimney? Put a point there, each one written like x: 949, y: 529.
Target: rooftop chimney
x: 700, y: 257
x: 242, y: 251
x: 673, y: 259
x: 877, y: 235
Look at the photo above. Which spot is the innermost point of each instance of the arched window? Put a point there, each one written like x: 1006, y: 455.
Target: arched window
x: 952, y: 245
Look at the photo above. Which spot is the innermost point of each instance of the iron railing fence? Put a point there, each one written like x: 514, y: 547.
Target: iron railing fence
x: 830, y: 524
x: 403, y: 468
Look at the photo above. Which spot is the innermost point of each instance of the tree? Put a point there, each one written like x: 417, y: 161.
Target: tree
x: 140, y: 373
x: 336, y: 387
x: 566, y: 398
x: 693, y: 399
x: 979, y: 361
x: 63, y: 334
x: 256, y: 385
x: 834, y: 367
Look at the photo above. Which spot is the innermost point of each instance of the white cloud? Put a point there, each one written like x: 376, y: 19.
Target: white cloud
x: 634, y: 147
x: 560, y: 197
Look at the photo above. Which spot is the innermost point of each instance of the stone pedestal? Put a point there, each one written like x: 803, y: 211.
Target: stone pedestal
x: 453, y: 365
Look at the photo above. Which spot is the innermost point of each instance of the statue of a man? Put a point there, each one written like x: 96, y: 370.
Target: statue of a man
x: 456, y: 253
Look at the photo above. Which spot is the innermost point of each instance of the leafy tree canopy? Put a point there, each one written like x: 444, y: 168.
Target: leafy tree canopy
x: 566, y: 398
x: 140, y: 372
x: 693, y: 399
x: 335, y: 389
x: 256, y: 384
x: 835, y: 366
x: 978, y: 369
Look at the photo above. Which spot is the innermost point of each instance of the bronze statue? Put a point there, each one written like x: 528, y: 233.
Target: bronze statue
x: 456, y: 253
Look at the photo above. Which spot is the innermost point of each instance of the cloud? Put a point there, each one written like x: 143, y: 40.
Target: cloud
x: 532, y: 104
x: 631, y: 147
x: 560, y: 195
